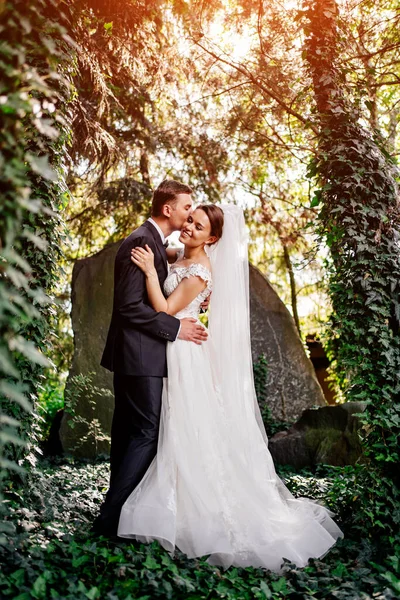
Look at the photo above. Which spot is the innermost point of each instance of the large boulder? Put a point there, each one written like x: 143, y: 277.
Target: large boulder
x: 292, y: 385
x: 92, y: 299
x: 327, y: 435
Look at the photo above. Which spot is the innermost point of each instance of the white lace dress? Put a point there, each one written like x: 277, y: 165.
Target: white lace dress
x: 198, y: 494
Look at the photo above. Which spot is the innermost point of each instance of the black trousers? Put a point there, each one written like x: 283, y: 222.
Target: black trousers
x: 134, y: 438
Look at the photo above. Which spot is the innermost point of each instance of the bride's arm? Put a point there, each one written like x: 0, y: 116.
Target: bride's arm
x: 187, y: 290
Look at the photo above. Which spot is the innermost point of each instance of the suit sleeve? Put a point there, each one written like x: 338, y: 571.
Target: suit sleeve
x: 130, y: 293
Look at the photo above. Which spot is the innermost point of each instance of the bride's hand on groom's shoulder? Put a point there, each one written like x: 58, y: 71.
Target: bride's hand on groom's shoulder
x: 144, y: 259
x: 192, y: 331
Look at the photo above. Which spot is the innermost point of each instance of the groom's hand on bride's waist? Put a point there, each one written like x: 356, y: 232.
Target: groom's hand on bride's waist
x: 192, y: 331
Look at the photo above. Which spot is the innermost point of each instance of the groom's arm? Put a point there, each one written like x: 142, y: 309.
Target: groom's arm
x: 130, y: 287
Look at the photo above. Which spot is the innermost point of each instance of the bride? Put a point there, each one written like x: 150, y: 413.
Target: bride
x: 212, y: 488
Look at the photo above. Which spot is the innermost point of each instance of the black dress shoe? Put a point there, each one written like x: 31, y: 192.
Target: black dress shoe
x: 99, y: 527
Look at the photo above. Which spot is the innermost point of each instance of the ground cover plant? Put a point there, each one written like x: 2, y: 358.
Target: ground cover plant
x: 52, y: 555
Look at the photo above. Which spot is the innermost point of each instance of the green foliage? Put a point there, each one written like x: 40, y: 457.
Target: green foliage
x: 90, y: 429
x: 50, y: 401
x: 32, y: 138
x: 359, y: 220
x: 53, y: 556
x: 371, y: 503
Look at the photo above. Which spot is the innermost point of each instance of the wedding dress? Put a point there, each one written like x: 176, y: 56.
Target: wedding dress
x: 212, y: 489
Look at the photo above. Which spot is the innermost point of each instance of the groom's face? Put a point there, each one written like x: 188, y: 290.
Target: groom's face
x: 180, y: 211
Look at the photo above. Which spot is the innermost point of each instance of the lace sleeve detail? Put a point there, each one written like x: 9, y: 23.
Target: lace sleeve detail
x: 197, y: 270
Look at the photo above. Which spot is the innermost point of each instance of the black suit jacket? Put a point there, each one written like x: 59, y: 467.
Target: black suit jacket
x: 137, y: 337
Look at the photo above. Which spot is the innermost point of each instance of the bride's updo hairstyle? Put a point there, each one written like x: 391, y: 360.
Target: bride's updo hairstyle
x: 216, y: 217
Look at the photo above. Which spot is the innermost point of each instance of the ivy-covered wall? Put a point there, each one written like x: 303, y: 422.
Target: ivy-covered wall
x: 34, y: 130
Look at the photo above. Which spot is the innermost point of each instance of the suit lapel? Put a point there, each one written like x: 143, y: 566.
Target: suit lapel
x: 159, y: 245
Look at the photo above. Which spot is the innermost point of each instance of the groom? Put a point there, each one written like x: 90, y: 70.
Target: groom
x: 136, y: 351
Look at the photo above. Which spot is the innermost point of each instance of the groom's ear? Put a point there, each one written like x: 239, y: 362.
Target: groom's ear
x: 166, y: 210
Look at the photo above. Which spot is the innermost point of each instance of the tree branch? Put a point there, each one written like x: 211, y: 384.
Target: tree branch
x: 216, y: 94
x: 256, y: 81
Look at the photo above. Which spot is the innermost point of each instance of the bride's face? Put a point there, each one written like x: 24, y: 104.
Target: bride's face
x: 196, y: 230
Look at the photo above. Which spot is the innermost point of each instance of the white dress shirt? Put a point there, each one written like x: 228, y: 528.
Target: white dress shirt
x: 162, y: 236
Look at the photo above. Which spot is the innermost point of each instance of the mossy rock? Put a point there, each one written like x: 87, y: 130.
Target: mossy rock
x: 327, y: 435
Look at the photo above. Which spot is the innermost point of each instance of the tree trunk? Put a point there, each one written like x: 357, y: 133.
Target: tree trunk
x: 322, y: 54
x: 360, y: 221
x: 293, y: 291
x: 144, y: 168
x: 393, y: 121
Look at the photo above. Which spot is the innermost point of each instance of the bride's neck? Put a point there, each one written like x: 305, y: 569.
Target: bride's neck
x: 193, y: 253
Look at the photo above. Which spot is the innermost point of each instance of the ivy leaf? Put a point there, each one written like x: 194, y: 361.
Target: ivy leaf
x: 8, y: 437
x: 316, y: 199
x: 35, y: 239
x: 17, y: 278
x: 6, y: 364
x: 18, y: 577
x: 7, y: 420
x: 393, y: 580
x: 265, y: 589
x: 49, y: 44
x: 93, y: 593
x: 7, y: 527
x: 9, y: 465
x: 151, y: 563
x: 41, y: 166
x: 13, y: 392
x: 81, y: 560
x: 39, y: 588
x: 45, y: 127
x: 280, y: 585
x: 29, y: 350
x: 13, y: 257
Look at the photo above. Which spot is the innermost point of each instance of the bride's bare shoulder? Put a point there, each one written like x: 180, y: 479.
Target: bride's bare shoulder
x: 206, y: 263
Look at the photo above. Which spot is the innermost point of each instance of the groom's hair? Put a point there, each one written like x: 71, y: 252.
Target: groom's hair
x: 166, y: 193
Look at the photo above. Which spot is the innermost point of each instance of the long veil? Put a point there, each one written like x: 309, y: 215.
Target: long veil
x: 229, y: 320
x: 230, y: 341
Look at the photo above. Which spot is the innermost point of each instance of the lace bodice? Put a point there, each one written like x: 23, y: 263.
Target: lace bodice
x: 175, y: 276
